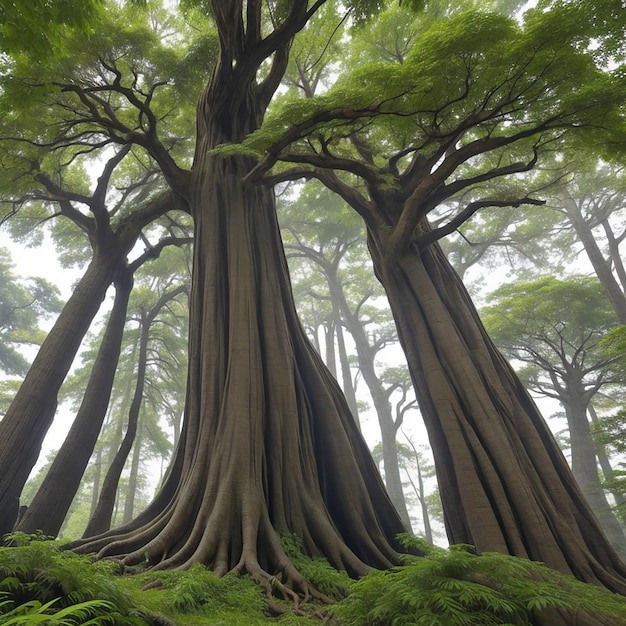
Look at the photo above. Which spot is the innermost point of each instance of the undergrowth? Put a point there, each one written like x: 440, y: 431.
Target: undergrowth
x: 40, y: 584
x: 454, y: 587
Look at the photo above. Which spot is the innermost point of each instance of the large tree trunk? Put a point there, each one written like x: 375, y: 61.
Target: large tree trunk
x: 505, y: 485
x: 54, y: 497
x: 269, y: 445
x: 30, y: 415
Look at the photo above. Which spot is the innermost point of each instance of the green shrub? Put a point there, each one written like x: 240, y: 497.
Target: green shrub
x: 455, y: 587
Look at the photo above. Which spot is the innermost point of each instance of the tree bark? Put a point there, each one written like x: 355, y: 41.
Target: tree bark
x: 23, y: 428
x: 505, y: 485
x: 54, y: 497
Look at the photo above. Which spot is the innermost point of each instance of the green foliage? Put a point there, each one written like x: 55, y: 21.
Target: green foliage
x: 39, y: 584
x: 90, y: 613
x: 37, y: 27
x: 551, y: 323
x: 22, y: 305
x: 36, y: 579
x: 455, y: 587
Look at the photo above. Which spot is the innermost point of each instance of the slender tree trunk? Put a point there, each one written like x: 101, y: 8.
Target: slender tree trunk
x: 614, y: 253
x: 329, y: 344
x: 54, y: 497
x: 388, y: 428
x: 505, y: 485
x: 601, y: 267
x: 101, y: 519
x: 421, y: 494
x: 346, y: 370
x: 585, y: 470
x: 428, y: 532
x: 131, y: 491
x: 97, y: 476
x: 23, y: 428
x: 605, y: 463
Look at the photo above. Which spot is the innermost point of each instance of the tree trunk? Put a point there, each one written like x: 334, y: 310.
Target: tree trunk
x: 131, y: 491
x: 28, y: 419
x: 614, y: 253
x: 601, y: 267
x: 97, y: 477
x: 54, y: 497
x: 346, y: 370
x: 269, y: 445
x: 101, y: 520
x: 585, y: 470
x: 605, y: 463
x: 421, y: 493
x: 329, y: 345
x: 505, y: 485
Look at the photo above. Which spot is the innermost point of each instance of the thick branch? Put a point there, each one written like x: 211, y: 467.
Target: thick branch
x: 435, y: 235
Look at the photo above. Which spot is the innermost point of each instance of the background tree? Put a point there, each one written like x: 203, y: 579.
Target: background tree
x: 146, y: 317
x: 336, y: 249
x: 46, y: 156
x: 23, y: 304
x: 556, y: 327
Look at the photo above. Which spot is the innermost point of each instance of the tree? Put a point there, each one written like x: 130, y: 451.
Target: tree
x: 268, y: 445
x: 22, y: 305
x: 556, y: 327
x: 50, y: 505
x: 52, y: 501
x: 477, y: 99
x: 590, y: 199
x: 45, y: 178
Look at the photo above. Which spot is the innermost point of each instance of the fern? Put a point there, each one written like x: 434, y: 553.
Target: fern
x: 35, y: 575
x: 33, y: 612
x: 455, y: 587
